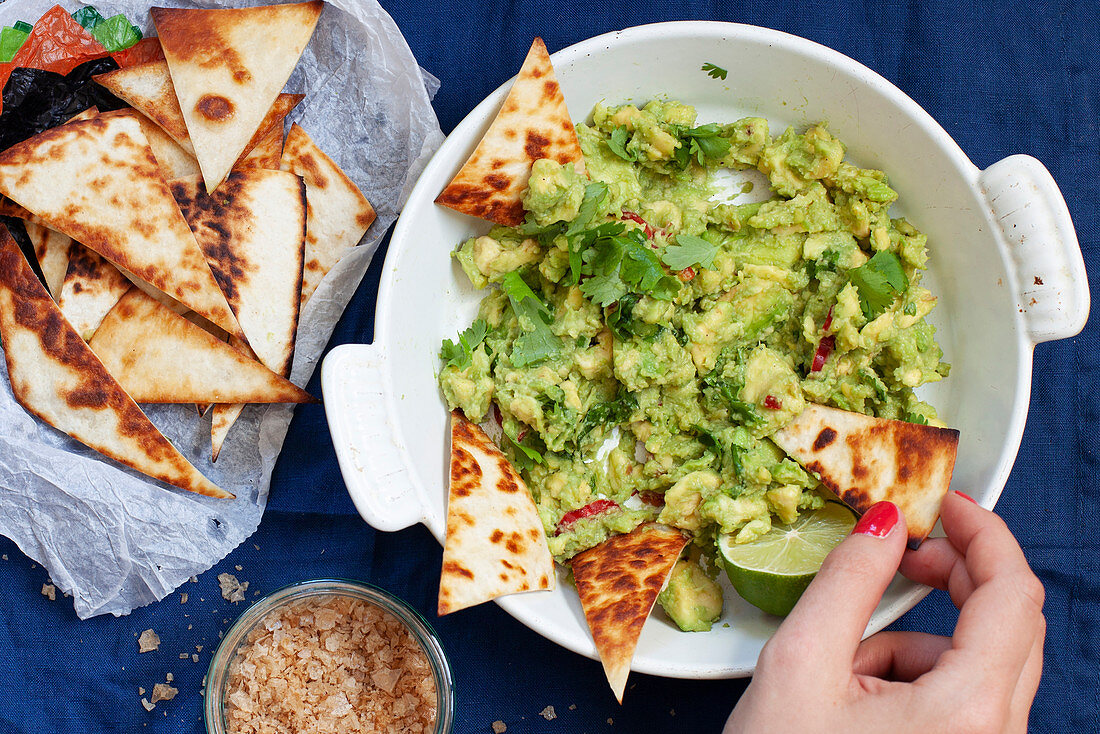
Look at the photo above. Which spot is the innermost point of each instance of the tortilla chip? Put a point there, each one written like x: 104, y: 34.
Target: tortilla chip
x: 148, y: 89
x: 9, y: 208
x: 270, y: 134
x: 228, y: 65
x: 337, y: 213
x: 266, y: 154
x: 221, y: 420
x: 252, y: 230
x: 618, y: 581
x: 91, y: 289
x: 863, y: 459
x: 533, y: 123
x: 55, y: 376
x: 495, y: 541
x: 85, y: 115
x: 161, y: 357
x: 98, y: 182
x: 52, y: 251
x: 173, y: 160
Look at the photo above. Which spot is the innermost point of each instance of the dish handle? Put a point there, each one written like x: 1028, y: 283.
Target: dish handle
x: 372, y: 457
x: 1035, y: 223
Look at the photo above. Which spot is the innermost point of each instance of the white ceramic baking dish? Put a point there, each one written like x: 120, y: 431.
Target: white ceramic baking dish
x: 1004, y: 261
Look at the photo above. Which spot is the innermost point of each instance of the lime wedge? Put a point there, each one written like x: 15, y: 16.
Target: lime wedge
x: 772, y: 572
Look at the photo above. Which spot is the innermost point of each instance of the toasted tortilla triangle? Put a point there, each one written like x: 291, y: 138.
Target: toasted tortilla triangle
x: 52, y: 250
x: 618, y: 581
x: 9, y: 208
x: 228, y: 65
x: 160, y: 357
x: 97, y: 181
x: 533, y: 123
x: 252, y: 231
x: 267, y: 153
x: 57, y: 377
x: 173, y: 160
x: 269, y: 136
x: 222, y: 419
x: 337, y: 213
x: 148, y: 89
x: 91, y: 289
x: 495, y: 541
x: 863, y: 460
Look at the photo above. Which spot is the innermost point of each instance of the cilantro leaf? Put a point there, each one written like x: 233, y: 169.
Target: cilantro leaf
x: 729, y: 391
x: 642, y: 269
x: 604, y: 289
x: 689, y: 250
x: 700, y: 143
x: 458, y: 355
x: 595, y: 198
x: 714, y: 72
x: 537, y: 342
x: 913, y: 417
x: 526, y: 446
x: 879, y: 281
x: 621, y: 264
x: 611, y: 413
x: 617, y: 142
x: 620, y: 319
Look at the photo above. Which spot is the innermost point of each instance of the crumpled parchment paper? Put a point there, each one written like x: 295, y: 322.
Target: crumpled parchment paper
x: 116, y: 540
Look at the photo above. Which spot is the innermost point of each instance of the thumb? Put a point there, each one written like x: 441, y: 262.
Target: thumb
x: 828, y: 622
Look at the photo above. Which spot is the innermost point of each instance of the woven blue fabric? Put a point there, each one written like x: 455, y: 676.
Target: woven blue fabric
x: 1001, y: 80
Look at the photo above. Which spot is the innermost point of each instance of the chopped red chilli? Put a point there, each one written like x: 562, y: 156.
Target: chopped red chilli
x: 592, y: 508
x: 772, y: 403
x: 824, y: 349
x: 686, y: 274
x: 632, y: 217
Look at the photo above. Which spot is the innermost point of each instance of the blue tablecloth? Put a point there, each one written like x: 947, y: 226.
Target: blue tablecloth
x: 1022, y: 78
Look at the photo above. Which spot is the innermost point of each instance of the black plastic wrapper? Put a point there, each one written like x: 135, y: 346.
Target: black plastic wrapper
x: 36, y: 100
x: 19, y: 234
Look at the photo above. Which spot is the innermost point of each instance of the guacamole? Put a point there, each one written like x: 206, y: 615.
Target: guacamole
x: 643, y: 334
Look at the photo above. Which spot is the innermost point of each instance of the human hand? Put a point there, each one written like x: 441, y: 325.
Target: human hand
x: 815, y: 675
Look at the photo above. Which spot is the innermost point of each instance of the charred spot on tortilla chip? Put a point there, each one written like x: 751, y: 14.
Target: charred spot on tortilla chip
x: 498, y: 182
x: 214, y: 107
x: 826, y: 437
x: 508, y: 484
x: 455, y: 567
x: 536, y: 145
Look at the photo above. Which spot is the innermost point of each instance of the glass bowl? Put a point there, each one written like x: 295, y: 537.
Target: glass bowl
x: 217, y: 678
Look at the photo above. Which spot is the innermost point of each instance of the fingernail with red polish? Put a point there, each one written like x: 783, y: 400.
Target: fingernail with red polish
x: 878, y: 521
x: 966, y: 496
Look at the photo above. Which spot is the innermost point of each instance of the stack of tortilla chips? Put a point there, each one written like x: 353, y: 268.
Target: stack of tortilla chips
x: 178, y: 239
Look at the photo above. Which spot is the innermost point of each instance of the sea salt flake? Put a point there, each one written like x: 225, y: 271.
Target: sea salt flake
x: 163, y: 692
x: 148, y: 641
x: 232, y: 589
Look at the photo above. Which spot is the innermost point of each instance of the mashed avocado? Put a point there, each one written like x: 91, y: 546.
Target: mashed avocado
x: 643, y: 334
